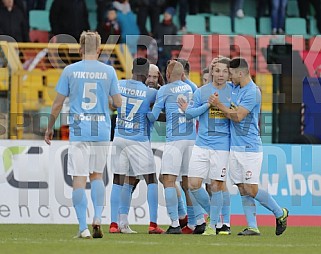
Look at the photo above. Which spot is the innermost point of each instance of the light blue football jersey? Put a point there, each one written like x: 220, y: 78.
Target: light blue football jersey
x: 177, y: 126
x: 214, y: 126
x: 88, y: 83
x: 245, y: 135
x: 132, y: 122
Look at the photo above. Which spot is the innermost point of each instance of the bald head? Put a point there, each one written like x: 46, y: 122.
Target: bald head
x: 153, y: 76
x: 175, y: 71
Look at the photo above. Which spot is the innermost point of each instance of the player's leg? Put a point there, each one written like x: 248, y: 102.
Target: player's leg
x: 152, y: 200
x: 237, y: 162
x: 124, y: 205
x: 225, y: 224
x: 78, y: 168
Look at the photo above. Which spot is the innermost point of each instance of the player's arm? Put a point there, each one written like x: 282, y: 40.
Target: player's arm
x: 236, y: 114
x: 55, y: 110
x: 116, y: 100
x: 195, y: 108
x: 158, y: 106
x: 190, y: 83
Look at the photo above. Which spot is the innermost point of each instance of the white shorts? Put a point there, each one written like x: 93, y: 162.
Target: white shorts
x: 208, y: 163
x: 176, y: 157
x: 128, y: 154
x: 84, y: 158
x: 245, y: 167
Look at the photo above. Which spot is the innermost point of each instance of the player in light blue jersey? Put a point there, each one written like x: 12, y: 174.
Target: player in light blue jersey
x: 246, y: 147
x: 180, y: 138
x: 131, y: 146
x: 211, y: 151
x: 88, y: 84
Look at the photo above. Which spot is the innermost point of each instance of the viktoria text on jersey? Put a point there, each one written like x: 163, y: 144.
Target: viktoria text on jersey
x: 90, y: 75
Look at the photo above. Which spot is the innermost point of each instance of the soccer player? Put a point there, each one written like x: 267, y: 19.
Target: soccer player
x: 246, y: 147
x: 205, y: 76
x: 211, y: 151
x: 88, y: 84
x: 180, y: 136
x: 153, y: 81
x: 132, y: 149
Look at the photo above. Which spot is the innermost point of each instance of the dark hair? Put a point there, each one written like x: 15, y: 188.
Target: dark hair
x: 239, y: 62
x: 205, y: 70
x: 185, y: 64
x: 141, y: 66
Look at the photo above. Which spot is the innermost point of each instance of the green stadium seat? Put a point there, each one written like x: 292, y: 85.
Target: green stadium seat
x: 196, y: 24
x: 91, y: 5
x: 246, y: 25
x: 220, y: 25
x: 265, y: 25
x: 48, y: 4
x: 313, y: 26
x: 39, y: 20
x: 292, y: 9
x: 296, y: 26
x: 92, y: 17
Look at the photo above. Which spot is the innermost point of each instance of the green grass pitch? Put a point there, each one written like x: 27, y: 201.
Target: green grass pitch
x: 45, y: 239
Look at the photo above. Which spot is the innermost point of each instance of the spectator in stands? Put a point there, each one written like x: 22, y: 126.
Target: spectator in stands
x: 68, y: 17
x: 166, y: 27
x: 109, y: 27
x: 36, y: 4
x: 127, y: 22
x: 278, y: 16
x: 151, y: 9
x: 304, y: 8
x: 102, y: 7
x: 13, y: 22
x: 237, y: 8
x: 183, y: 7
x: 263, y: 9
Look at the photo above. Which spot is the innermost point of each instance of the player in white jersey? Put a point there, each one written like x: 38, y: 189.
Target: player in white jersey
x: 131, y: 146
x: 211, y: 151
x: 88, y: 84
x: 180, y: 136
x: 246, y: 147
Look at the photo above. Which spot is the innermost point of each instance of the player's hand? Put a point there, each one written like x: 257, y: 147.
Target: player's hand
x: 214, y: 99
x: 48, y: 136
x: 182, y: 104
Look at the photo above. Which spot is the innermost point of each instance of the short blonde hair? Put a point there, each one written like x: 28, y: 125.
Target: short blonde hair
x: 175, y: 69
x: 89, y: 42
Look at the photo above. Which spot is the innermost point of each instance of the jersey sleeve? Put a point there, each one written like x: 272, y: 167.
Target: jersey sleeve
x: 114, y: 83
x: 63, y: 83
x: 195, y: 107
x: 251, y: 99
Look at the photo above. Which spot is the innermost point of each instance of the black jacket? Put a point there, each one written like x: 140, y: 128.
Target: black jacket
x: 69, y: 17
x: 13, y: 23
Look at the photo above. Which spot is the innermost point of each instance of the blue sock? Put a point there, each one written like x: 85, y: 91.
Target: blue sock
x: 181, y: 206
x: 249, y: 211
x: 125, y: 198
x: 98, y: 198
x: 216, y: 207
x: 152, y: 199
x: 171, y: 203
x: 114, y: 202
x: 198, y: 210
x: 191, y: 216
x: 202, y: 198
x: 79, y: 201
x: 268, y: 202
x: 226, y: 208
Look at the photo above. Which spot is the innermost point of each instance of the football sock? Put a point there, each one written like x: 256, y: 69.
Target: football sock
x: 198, y: 210
x: 152, y: 200
x: 249, y: 210
x: 191, y: 217
x: 114, y: 202
x: 171, y: 203
x: 125, y: 198
x: 202, y: 198
x: 79, y: 201
x: 98, y: 198
x: 268, y: 202
x: 216, y: 207
x: 181, y: 206
x: 226, y: 208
